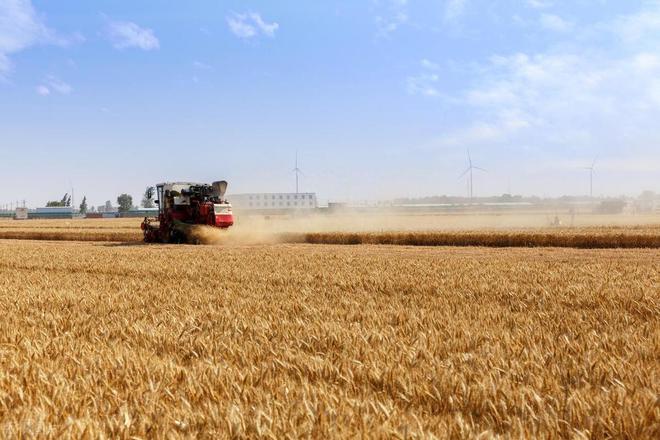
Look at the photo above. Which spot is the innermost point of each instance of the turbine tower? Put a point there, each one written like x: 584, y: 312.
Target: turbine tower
x: 469, y: 169
x: 298, y: 171
x: 591, y: 177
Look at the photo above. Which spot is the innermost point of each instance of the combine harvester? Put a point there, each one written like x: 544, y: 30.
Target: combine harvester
x: 181, y: 206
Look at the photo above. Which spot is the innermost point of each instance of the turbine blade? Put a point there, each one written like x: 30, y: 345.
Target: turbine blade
x: 479, y: 168
x: 464, y: 172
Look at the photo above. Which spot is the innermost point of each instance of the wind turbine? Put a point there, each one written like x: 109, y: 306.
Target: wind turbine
x: 298, y: 171
x: 591, y: 177
x: 469, y: 170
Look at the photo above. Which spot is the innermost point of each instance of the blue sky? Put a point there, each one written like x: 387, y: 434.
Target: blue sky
x: 381, y: 98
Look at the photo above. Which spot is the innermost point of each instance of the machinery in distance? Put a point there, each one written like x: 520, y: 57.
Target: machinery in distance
x: 184, y: 204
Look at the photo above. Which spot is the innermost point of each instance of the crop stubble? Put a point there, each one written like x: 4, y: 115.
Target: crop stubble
x: 327, y: 341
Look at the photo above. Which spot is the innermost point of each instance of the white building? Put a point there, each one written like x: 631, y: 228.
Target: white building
x: 273, y: 201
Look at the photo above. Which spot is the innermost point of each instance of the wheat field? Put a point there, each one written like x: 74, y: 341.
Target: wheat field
x: 297, y: 340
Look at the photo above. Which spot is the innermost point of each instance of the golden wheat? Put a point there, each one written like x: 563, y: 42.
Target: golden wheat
x: 327, y: 341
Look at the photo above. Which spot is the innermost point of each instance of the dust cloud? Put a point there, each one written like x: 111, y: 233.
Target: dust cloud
x: 238, y: 235
x: 273, y: 229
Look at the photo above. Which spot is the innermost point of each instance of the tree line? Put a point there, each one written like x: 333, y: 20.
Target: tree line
x: 124, y: 202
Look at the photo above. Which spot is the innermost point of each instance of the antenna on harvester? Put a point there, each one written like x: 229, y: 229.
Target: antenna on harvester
x: 298, y: 171
x: 591, y: 177
x: 469, y: 170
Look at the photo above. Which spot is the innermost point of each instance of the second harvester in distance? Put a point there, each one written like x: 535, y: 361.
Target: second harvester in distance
x: 182, y: 205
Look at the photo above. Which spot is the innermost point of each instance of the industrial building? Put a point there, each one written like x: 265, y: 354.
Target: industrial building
x: 56, y: 212
x: 273, y: 201
x: 53, y: 212
x: 139, y: 212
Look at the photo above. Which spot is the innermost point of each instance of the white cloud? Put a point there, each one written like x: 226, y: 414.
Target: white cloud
x: 20, y: 28
x: 126, y: 34
x: 42, y: 90
x: 424, y: 83
x: 427, y: 64
x: 502, y: 127
x: 202, y: 66
x: 240, y: 28
x: 555, y: 23
x: 570, y: 99
x: 454, y: 9
x: 635, y: 27
x: 392, y: 14
x: 540, y: 4
x: 266, y: 28
x: 59, y: 86
x: 250, y: 25
x: 53, y: 84
x: 566, y: 93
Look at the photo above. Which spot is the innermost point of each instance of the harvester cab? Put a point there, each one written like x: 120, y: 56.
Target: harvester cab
x: 184, y: 204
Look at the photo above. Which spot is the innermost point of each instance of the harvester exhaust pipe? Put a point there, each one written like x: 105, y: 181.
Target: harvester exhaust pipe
x: 219, y: 189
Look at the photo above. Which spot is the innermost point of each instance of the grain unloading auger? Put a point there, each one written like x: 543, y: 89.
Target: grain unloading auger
x: 181, y: 205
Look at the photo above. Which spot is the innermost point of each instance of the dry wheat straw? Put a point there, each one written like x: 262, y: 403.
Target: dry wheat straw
x: 327, y: 341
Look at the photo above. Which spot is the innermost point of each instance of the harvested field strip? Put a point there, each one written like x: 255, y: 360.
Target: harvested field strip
x: 73, y: 235
x: 75, y: 226
x: 588, y: 238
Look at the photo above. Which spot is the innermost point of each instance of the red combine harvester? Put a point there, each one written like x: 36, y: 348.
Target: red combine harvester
x: 183, y: 204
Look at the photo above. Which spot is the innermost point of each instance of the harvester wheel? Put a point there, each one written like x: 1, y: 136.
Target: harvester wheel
x: 177, y: 237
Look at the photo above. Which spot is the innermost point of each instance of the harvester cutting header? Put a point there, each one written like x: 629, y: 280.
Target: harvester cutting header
x: 182, y: 205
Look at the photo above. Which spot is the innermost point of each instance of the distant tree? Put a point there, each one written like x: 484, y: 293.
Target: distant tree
x: 83, y: 205
x: 125, y: 202
x: 58, y: 203
x: 108, y: 206
x: 148, y: 198
x: 614, y: 206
